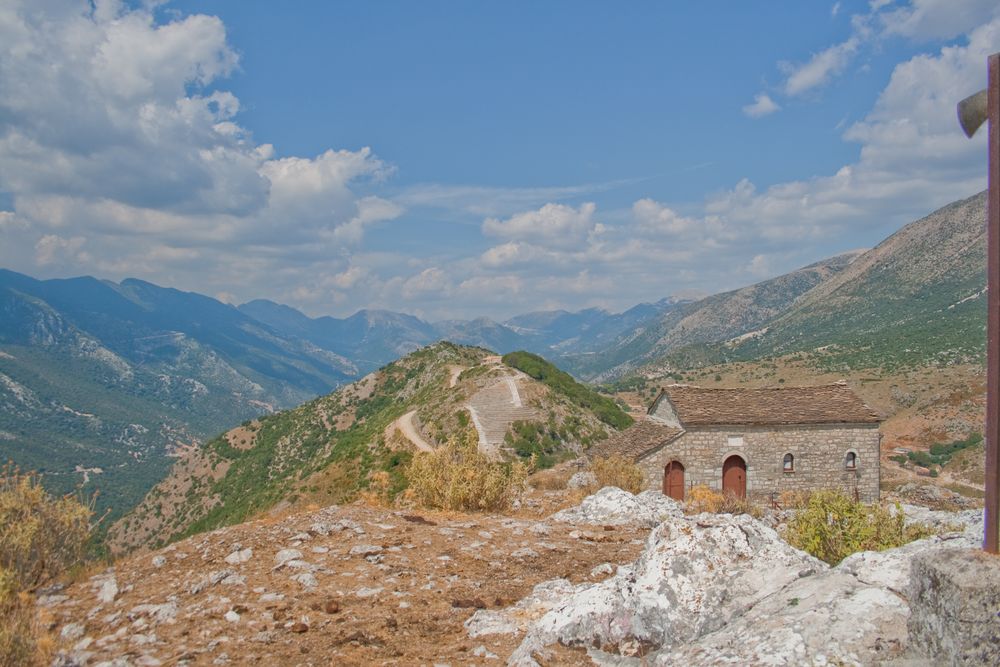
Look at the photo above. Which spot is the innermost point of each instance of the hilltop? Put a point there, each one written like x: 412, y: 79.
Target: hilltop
x: 326, y: 449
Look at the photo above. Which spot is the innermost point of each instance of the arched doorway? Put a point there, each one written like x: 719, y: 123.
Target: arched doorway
x: 673, y: 480
x: 734, y: 476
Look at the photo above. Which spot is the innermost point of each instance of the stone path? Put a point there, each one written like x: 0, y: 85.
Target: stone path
x: 493, y: 409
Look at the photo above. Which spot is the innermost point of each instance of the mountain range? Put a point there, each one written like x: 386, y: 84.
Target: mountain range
x: 104, y: 381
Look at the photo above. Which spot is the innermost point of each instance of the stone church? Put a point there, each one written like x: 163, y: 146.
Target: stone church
x: 755, y: 442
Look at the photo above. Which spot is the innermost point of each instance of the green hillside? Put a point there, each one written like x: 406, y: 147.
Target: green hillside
x: 326, y: 450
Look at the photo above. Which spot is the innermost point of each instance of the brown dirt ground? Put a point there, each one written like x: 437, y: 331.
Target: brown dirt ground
x: 432, y: 573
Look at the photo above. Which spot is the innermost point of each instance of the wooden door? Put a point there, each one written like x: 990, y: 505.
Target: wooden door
x: 673, y: 480
x: 734, y: 476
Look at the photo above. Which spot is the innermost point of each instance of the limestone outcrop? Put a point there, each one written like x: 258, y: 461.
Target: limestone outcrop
x: 722, y: 589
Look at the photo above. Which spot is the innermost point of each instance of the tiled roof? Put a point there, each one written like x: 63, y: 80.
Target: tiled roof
x: 636, y: 440
x: 826, y: 404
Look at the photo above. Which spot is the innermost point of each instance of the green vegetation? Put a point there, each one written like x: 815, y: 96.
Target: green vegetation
x: 563, y: 383
x: 833, y: 526
x: 41, y: 537
x: 548, y: 443
x: 940, y: 454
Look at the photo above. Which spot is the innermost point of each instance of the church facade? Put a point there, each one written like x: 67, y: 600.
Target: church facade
x: 755, y: 442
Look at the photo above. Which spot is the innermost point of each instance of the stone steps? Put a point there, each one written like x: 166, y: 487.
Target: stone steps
x: 496, y: 408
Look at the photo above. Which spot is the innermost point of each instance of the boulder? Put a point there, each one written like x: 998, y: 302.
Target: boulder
x: 693, y: 577
x: 613, y: 507
x: 582, y: 480
x: 722, y: 589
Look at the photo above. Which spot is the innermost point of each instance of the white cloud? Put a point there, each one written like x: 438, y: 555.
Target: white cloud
x: 835, y: 9
x: 938, y: 19
x: 762, y: 105
x: 511, y: 254
x: 51, y: 248
x: 656, y: 218
x: 820, y: 68
x: 553, y: 224
x: 919, y: 20
x: 429, y: 282
x: 113, y: 130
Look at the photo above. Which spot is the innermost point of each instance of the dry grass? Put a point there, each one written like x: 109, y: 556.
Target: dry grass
x: 703, y: 499
x: 553, y: 479
x: 618, y: 471
x: 457, y: 476
x: 41, y: 537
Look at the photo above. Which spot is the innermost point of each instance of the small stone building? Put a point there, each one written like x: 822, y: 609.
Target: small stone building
x: 756, y: 442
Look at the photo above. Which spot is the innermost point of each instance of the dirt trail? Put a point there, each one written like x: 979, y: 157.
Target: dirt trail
x: 453, y: 378
x: 405, y: 426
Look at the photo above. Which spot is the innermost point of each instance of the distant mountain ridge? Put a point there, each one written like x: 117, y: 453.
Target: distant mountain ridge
x: 102, y: 380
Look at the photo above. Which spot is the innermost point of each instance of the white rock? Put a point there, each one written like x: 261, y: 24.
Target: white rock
x: 582, y: 480
x: 108, y: 590
x: 72, y: 631
x: 286, y: 555
x: 161, y: 613
x: 365, y: 550
x: 159, y: 561
x: 543, y: 597
x: 232, y: 616
x: 540, y: 529
x: 367, y: 592
x: 723, y: 589
x: 602, y: 570
x: 240, y: 556
x: 614, y: 507
x: 307, y: 579
x: 524, y: 552
x: 694, y: 575
x: 482, y: 652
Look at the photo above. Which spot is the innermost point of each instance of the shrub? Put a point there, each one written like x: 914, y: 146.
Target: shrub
x: 457, y: 476
x: 833, y: 526
x: 379, y: 492
x: 40, y: 538
x: 618, y: 471
x: 703, y: 499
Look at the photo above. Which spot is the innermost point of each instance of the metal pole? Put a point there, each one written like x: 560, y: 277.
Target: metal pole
x: 991, y: 518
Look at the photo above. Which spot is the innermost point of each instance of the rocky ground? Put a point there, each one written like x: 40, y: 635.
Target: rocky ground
x: 617, y: 580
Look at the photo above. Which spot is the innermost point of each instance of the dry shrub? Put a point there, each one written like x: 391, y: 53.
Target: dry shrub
x: 41, y: 537
x: 703, y: 499
x: 794, y: 500
x: 379, y: 492
x: 616, y: 470
x: 457, y: 476
x: 551, y: 479
x: 833, y: 526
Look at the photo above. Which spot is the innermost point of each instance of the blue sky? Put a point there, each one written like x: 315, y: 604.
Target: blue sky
x: 457, y: 159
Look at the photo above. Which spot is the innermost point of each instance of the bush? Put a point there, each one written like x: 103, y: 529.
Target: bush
x: 457, y: 476
x: 833, y: 526
x: 40, y: 538
x: 618, y: 471
x: 703, y: 499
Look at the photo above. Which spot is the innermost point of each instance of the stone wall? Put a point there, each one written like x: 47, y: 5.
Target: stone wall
x: 819, y: 458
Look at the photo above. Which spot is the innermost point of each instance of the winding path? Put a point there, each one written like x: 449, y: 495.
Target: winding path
x: 405, y: 426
